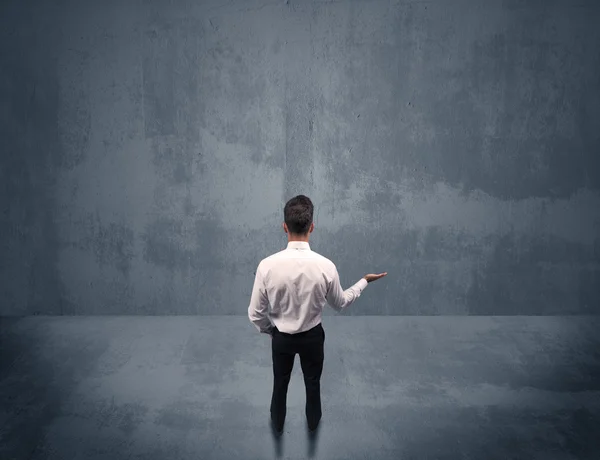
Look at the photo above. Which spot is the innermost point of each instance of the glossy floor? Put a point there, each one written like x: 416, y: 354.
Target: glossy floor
x: 392, y: 387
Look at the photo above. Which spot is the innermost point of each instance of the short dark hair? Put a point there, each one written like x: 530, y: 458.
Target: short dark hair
x: 298, y: 214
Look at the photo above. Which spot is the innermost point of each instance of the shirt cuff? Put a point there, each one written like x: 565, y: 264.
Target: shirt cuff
x: 362, y: 283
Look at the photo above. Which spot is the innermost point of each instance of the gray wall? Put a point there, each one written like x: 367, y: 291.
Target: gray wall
x: 148, y: 148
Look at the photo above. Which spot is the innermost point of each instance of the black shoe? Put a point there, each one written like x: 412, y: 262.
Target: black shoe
x: 277, y: 431
x: 313, y: 429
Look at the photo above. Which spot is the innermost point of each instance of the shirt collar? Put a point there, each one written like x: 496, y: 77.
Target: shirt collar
x: 298, y: 245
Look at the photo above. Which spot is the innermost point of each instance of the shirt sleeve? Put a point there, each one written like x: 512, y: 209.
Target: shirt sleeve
x: 339, y: 299
x: 259, y: 304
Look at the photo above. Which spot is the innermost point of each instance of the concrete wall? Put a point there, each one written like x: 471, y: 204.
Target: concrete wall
x: 148, y: 148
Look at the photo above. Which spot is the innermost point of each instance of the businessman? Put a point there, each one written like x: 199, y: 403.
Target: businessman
x: 297, y: 283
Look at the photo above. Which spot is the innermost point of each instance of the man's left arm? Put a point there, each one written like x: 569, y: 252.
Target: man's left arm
x: 259, y: 305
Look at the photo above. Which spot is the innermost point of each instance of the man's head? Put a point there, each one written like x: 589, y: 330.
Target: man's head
x: 298, y: 216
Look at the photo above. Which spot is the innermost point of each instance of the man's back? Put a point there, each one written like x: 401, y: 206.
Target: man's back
x: 299, y: 283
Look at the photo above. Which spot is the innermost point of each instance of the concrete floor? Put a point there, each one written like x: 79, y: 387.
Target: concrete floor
x: 392, y: 387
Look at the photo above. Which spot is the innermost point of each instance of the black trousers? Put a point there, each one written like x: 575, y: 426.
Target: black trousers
x: 309, y: 345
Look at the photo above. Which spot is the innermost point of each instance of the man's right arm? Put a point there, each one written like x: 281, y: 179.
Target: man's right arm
x: 337, y: 298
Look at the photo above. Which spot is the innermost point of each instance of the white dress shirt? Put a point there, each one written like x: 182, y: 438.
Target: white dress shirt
x: 291, y: 289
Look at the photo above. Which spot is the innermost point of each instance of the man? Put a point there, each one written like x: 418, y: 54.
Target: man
x: 297, y: 283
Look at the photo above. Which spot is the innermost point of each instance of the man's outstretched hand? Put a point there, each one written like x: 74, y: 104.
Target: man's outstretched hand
x: 373, y: 277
